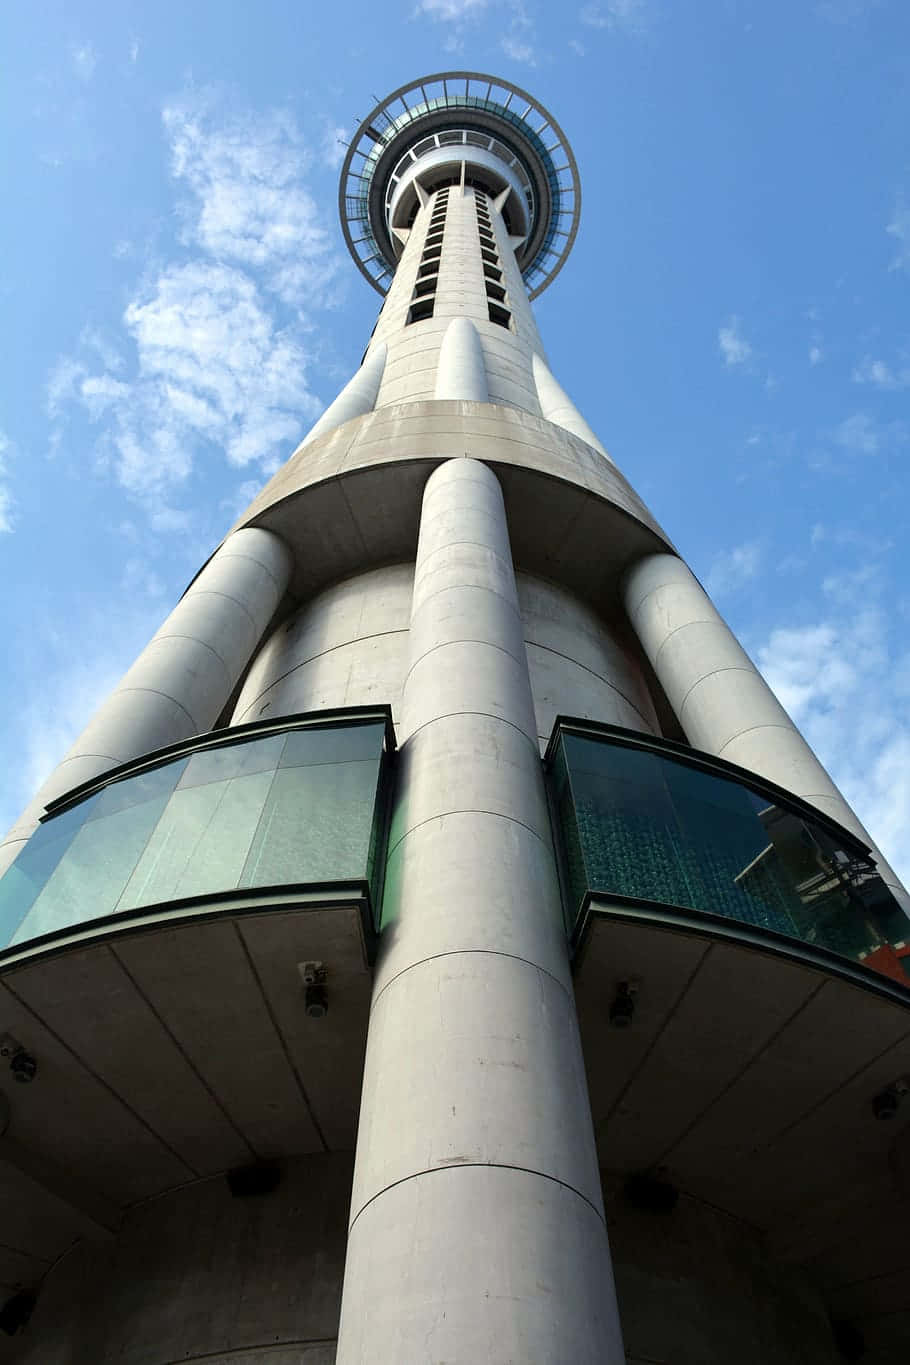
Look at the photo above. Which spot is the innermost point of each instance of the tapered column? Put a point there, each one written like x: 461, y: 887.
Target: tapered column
x: 357, y: 397
x: 477, y: 1229
x: 721, y: 700
x: 185, y: 675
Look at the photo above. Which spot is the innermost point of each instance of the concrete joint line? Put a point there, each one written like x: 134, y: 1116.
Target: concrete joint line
x: 321, y: 654
x: 216, y: 592
x: 753, y: 1061
x: 463, y: 952
x: 462, y: 640
x: 238, y: 554
x: 99, y: 1080
x: 178, y: 635
x: 601, y: 1125
x: 471, y: 810
x: 478, y: 1165
x: 488, y: 715
x: 469, y: 587
x: 730, y: 668
x: 423, y: 560
x: 594, y: 674
x: 154, y: 691
x: 699, y: 621
x: 769, y: 725
x: 493, y: 515
x: 263, y: 1350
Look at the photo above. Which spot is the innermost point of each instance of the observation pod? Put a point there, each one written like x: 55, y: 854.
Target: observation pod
x: 443, y: 889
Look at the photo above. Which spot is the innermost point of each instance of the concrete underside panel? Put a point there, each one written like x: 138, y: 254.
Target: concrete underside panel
x: 201, y: 1276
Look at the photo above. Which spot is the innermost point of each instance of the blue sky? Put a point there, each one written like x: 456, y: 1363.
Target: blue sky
x: 177, y: 308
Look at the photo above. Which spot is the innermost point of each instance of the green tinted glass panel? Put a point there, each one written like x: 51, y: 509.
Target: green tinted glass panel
x: 298, y: 807
x: 638, y: 823
x: 316, y: 815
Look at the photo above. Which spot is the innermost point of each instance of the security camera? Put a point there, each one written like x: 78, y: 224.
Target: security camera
x: 315, y: 995
x: 886, y: 1104
x: 622, y: 1010
x: 21, y: 1063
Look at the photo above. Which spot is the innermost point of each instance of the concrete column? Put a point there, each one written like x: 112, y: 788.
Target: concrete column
x: 477, y: 1229
x: 357, y: 397
x: 182, y: 679
x: 556, y: 406
x: 721, y: 700
x: 461, y: 372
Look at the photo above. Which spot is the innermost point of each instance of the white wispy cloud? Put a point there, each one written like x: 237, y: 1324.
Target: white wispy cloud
x: 334, y: 145
x: 450, y: 11
x: 7, y: 504
x: 134, y: 52
x: 844, y: 11
x: 210, y: 362
x: 845, y: 681
x: 816, y: 354
x: 899, y: 229
x: 628, y: 16
x: 519, y: 49
x: 249, y: 204
x: 882, y: 375
x: 861, y: 434
x: 733, y: 346
x: 733, y: 568
x: 84, y: 59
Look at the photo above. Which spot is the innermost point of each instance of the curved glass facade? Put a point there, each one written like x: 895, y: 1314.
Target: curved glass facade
x: 639, y: 821
x: 267, y: 808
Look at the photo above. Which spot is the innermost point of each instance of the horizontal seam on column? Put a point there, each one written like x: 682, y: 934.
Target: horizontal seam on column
x: 731, y: 668
x: 178, y: 635
x: 706, y: 621
x: 494, y: 814
x: 216, y: 592
x: 157, y: 693
x: 461, y: 952
x: 476, y: 1165
x: 769, y: 725
x: 462, y: 640
x: 494, y: 514
x: 423, y: 560
x: 594, y: 674
x: 490, y: 715
x: 238, y: 554
x: 311, y: 658
x: 473, y: 587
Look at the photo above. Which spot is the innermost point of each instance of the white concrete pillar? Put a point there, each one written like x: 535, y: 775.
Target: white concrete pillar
x: 182, y: 679
x: 556, y: 406
x: 721, y: 700
x: 476, y: 1230
x: 356, y: 398
x: 461, y: 372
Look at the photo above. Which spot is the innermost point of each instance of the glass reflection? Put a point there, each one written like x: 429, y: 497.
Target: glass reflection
x: 297, y: 807
x: 643, y: 824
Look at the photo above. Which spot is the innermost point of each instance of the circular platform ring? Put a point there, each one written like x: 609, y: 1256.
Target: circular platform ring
x: 467, y: 98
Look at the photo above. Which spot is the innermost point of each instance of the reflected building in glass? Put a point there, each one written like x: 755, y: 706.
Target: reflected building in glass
x: 442, y: 945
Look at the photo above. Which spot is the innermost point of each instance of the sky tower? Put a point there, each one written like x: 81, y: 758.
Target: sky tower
x: 443, y: 886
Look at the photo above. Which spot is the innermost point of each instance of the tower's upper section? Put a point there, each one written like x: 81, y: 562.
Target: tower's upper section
x: 445, y: 128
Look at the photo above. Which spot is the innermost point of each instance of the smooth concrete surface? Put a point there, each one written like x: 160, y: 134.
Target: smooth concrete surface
x: 357, y: 397
x: 348, y: 646
x: 697, y: 1287
x: 181, y: 681
x: 200, y: 1276
x: 461, y: 372
x: 556, y: 406
x: 578, y: 665
x: 723, y: 703
x: 482, y: 1108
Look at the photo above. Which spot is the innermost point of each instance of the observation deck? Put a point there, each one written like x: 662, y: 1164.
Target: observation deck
x: 437, y: 130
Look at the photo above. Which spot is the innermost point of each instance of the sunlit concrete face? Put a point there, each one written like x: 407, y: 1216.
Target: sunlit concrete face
x: 451, y: 541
